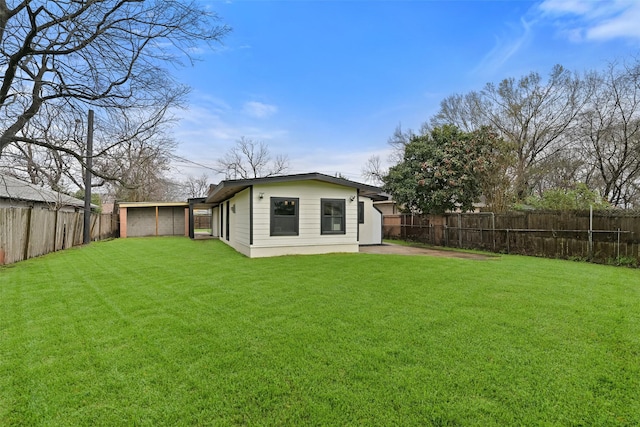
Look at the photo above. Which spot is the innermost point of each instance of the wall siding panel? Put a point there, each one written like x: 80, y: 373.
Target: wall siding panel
x: 309, y: 235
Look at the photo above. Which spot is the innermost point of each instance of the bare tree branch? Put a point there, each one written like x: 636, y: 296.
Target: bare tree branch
x: 196, y: 186
x: 102, y: 53
x: 610, y: 133
x: 251, y: 159
x: 373, y: 171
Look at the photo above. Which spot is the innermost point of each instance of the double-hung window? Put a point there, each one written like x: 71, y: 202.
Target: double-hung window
x: 333, y: 216
x: 284, y: 216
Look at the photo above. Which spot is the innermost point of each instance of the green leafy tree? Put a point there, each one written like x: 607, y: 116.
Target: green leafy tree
x: 95, y: 198
x: 579, y: 198
x: 443, y: 170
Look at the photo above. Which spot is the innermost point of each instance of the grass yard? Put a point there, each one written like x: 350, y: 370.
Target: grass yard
x: 169, y: 331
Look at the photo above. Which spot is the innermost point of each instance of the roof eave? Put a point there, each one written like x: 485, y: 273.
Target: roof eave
x: 228, y: 188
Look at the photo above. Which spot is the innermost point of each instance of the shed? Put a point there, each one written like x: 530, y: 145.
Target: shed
x: 138, y: 219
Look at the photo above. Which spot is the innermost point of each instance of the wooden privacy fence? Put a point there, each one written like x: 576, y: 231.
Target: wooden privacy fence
x: 602, y: 236
x: 202, y: 221
x: 30, y: 232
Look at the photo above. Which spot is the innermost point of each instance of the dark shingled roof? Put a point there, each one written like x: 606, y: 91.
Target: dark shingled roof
x: 15, y: 189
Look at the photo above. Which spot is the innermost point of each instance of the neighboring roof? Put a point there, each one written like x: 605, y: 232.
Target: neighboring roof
x: 152, y: 204
x: 15, y: 189
x: 228, y: 188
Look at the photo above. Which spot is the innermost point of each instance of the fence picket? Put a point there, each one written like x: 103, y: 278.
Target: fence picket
x: 607, y: 237
x: 30, y: 232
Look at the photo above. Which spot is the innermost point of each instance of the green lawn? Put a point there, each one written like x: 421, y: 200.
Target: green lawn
x: 169, y: 331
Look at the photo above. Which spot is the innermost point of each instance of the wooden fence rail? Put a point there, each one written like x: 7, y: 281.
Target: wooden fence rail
x: 598, y: 236
x: 30, y: 232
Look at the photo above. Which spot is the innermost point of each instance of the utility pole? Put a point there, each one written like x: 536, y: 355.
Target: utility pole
x: 87, y: 181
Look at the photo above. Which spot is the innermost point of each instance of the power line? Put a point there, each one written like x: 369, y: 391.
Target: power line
x: 185, y: 160
x: 349, y: 175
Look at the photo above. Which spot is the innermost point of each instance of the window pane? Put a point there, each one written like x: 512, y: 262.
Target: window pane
x: 333, y: 216
x: 333, y: 208
x: 284, y: 225
x: 284, y: 207
x: 284, y: 216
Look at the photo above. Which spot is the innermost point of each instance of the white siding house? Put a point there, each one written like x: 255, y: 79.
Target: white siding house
x: 295, y: 214
x: 370, y: 217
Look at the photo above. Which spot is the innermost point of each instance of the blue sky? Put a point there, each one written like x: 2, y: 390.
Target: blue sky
x: 326, y: 82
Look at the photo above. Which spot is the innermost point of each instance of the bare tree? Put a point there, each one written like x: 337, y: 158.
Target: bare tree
x: 42, y: 165
x: 125, y: 140
x: 558, y: 132
x: 142, y: 164
x: 251, y: 159
x: 398, y: 141
x: 562, y: 171
x: 373, y: 171
x: 535, y: 117
x: 463, y: 111
x: 102, y: 54
x: 196, y: 186
x: 610, y: 133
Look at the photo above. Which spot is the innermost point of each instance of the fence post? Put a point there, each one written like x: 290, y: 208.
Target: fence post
x: 403, y: 226
x: 459, y: 230
x: 493, y: 229
x: 590, y: 232
x: 508, y: 241
x: 27, y: 236
x: 55, y: 230
x: 446, y: 235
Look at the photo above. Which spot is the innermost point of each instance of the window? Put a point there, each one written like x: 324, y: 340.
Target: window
x: 360, y: 212
x: 228, y: 221
x: 333, y: 211
x: 284, y: 216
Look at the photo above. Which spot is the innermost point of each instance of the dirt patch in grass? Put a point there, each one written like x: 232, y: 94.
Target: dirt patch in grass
x: 390, y: 248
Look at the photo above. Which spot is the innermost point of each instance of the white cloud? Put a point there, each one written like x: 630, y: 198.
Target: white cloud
x: 505, y: 48
x: 578, y: 7
x: 259, y: 110
x: 625, y: 25
x: 581, y: 20
x: 202, y: 126
x: 210, y: 127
